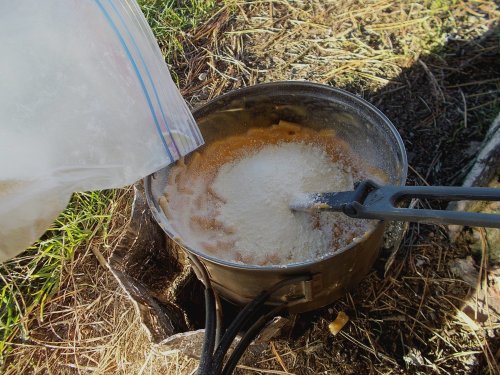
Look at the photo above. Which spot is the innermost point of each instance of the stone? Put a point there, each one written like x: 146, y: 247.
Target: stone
x: 485, y: 172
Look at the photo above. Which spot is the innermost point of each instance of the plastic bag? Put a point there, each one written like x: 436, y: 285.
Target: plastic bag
x: 86, y: 103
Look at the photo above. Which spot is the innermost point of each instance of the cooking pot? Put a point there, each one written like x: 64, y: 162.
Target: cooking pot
x: 358, y: 123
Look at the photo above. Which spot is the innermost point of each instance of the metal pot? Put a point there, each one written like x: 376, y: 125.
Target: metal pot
x: 316, y: 106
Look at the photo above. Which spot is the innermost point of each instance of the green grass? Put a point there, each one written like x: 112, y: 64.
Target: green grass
x: 29, y: 280
x: 172, y: 19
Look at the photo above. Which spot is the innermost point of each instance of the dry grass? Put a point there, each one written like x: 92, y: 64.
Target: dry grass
x: 356, y: 44
x: 90, y: 325
x: 427, y: 65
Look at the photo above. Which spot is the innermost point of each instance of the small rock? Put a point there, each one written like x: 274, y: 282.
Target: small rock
x: 482, y: 304
x: 420, y: 261
x: 484, y: 172
x: 203, y: 76
x: 465, y: 269
x: 414, y: 358
x: 488, y: 237
x: 272, y: 329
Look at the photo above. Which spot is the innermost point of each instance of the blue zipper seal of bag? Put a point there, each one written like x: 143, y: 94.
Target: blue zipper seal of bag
x: 141, y: 81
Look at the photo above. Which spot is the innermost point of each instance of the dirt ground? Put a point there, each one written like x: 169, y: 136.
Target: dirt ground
x: 432, y: 68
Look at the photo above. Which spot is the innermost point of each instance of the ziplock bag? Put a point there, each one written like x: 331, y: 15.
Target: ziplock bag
x: 86, y: 103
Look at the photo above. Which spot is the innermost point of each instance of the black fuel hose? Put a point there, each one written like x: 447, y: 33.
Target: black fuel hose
x: 211, y: 323
x: 247, y: 338
x: 210, y: 334
x: 244, y: 315
x: 233, y: 329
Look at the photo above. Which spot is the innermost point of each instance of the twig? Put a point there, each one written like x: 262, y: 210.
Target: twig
x: 418, y: 174
x: 278, y: 358
x: 483, y: 105
x: 367, y: 348
x: 265, y: 371
x: 465, y: 108
x: 473, y: 83
x: 433, y: 79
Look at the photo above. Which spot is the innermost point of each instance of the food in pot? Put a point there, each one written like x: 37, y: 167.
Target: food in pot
x: 231, y: 199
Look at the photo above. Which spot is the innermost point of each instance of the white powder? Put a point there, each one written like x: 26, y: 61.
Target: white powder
x: 256, y: 192
x: 242, y: 215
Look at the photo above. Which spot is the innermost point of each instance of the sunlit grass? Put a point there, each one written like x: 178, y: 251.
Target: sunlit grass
x: 172, y: 19
x: 29, y: 280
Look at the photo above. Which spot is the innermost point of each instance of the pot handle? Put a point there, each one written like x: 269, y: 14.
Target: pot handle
x: 373, y: 201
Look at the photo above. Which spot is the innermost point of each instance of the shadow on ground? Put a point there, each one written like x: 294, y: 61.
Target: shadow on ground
x: 404, y: 314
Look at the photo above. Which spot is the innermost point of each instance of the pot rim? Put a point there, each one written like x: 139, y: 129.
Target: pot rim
x: 160, y: 217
